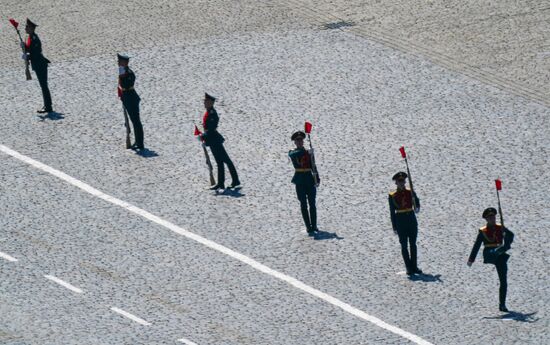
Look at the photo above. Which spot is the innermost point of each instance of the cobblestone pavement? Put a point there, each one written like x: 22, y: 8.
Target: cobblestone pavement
x: 505, y: 43
x: 270, y: 71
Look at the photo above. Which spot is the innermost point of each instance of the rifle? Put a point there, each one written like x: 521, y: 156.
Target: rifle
x: 209, y: 164
x: 508, y: 236
x: 27, y: 70
x: 127, y: 125
x: 404, y: 155
x: 498, y: 184
x: 307, y: 128
x: 207, y: 157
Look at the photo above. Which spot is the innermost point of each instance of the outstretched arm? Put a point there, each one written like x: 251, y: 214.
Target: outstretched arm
x: 475, y: 249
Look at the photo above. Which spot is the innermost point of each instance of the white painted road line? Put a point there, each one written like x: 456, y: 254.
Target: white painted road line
x: 222, y: 249
x: 130, y: 316
x: 64, y: 284
x: 186, y: 342
x: 7, y: 257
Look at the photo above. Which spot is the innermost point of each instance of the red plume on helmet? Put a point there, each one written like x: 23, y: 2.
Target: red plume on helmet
x: 307, y: 127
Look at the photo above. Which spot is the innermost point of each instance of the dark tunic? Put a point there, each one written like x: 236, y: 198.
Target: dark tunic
x: 301, y: 160
x: 38, y: 61
x: 496, y: 241
x: 211, y: 136
x: 401, y: 209
x: 126, y: 82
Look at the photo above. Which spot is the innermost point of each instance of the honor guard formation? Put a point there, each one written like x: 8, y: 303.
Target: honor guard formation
x: 404, y: 204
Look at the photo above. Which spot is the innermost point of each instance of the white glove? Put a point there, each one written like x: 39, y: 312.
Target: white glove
x: 24, y: 57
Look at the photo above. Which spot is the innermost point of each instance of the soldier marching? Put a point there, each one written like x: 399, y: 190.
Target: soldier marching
x: 404, y: 204
x: 33, y: 52
x: 496, y: 240
x: 306, y: 185
x: 130, y: 98
x: 212, y: 138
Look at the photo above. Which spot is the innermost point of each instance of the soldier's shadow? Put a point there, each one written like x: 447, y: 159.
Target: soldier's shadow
x: 54, y: 116
x: 515, y: 316
x: 146, y: 153
x: 325, y: 235
x: 428, y: 278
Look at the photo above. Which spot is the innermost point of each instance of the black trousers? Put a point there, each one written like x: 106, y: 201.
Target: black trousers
x: 502, y: 270
x: 306, y: 194
x: 132, y: 107
x: 407, y: 238
x: 42, y: 76
x: 221, y: 157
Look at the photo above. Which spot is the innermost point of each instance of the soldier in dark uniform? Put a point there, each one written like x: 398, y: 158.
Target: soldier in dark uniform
x: 404, y: 204
x: 130, y: 99
x: 214, y: 139
x: 39, y: 63
x: 496, y: 240
x: 303, y: 179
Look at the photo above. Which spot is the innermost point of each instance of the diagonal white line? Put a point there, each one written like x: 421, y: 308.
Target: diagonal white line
x: 7, y: 257
x: 64, y: 284
x: 213, y: 245
x: 130, y: 316
x: 186, y: 342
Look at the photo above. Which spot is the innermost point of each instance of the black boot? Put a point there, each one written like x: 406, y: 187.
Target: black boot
x: 305, y: 216
x: 407, y: 259
x: 313, y: 216
x: 417, y: 271
x: 235, y: 184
